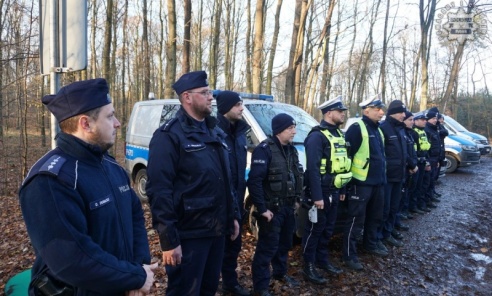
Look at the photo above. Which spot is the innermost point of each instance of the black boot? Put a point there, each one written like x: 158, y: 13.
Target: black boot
x: 311, y: 274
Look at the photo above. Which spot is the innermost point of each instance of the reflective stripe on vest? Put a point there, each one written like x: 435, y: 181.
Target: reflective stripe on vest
x: 340, y: 163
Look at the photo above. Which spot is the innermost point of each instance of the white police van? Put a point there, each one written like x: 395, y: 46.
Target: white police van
x: 259, y: 110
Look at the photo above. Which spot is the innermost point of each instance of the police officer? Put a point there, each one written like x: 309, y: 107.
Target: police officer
x: 192, y: 202
x: 395, y: 147
x: 365, y: 200
x: 85, y: 222
x: 417, y: 202
x: 230, y: 116
x: 432, y: 131
x: 275, y: 183
x: 443, y: 133
x: 409, y: 176
x: 327, y: 170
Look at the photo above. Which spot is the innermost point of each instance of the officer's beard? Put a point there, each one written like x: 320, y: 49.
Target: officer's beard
x: 96, y: 140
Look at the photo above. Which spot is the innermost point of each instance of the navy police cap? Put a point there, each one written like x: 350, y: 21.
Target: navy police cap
x: 77, y: 98
x: 372, y: 102
x: 333, y: 104
x: 190, y: 80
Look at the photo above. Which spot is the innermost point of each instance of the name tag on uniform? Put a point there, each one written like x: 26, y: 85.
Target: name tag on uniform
x: 102, y: 202
x: 190, y: 147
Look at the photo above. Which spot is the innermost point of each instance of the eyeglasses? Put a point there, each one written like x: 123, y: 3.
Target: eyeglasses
x: 203, y: 92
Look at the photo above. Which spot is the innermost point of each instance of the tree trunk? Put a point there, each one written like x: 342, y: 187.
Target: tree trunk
x: 161, y: 77
x: 93, y: 70
x: 382, y: 74
x: 186, y: 36
x: 323, y: 41
x: 426, y: 15
x: 170, y: 49
x: 146, y: 52
x: 258, y: 46
x: 106, y: 61
x: 249, y: 80
x: 289, y: 74
x: 214, y: 46
x: 273, y: 50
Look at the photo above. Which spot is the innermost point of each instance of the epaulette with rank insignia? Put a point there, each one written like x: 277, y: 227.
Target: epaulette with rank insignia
x: 54, y: 164
x: 166, y: 126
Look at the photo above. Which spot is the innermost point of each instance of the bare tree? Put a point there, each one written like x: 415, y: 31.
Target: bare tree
x: 106, y: 61
x: 214, y: 46
x: 170, y: 48
x: 249, y: 80
x: 273, y: 49
x: 258, y: 46
x: 146, y: 51
x: 186, y: 36
x: 322, y: 43
x: 426, y: 16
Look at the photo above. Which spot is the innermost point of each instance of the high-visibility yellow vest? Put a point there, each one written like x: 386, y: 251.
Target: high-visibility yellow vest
x: 423, y: 141
x: 360, y: 163
x: 340, y: 163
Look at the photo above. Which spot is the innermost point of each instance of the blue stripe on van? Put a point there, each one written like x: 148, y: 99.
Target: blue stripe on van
x: 132, y: 152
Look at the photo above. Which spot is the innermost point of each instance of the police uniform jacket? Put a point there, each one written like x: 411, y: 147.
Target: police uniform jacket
x: 189, y: 181
x: 317, y: 147
x: 377, y: 168
x: 395, y: 147
x: 412, y: 158
x: 85, y: 222
x: 260, y: 164
x: 432, y: 132
x: 443, y: 133
x: 236, y: 141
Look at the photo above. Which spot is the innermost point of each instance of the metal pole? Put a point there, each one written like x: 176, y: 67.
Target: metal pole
x: 54, y: 75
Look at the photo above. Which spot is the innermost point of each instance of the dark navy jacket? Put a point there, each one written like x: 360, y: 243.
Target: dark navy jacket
x: 260, y: 162
x: 238, y: 150
x: 412, y: 159
x: 85, y: 222
x: 443, y: 133
x: 395, y: 147
x: 318, y: 147
x: 377, y: 168
x: 189, y: 182
x: 432, y: 132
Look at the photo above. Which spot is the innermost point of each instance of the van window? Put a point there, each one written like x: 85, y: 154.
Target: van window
x: 168, y: 112
x: 150, y: 115
x: 263, y: 113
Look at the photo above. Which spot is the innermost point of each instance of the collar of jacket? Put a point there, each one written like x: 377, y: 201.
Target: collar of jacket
x: 225, y: 125
x: 369, y: 122
x: 325, y: 125
x: 189, y: 126
x: 79, y: 148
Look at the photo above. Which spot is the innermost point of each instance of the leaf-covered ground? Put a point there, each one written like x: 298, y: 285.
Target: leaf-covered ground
x: 446, y: 252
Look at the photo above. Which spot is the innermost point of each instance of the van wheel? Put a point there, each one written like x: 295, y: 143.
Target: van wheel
x: 451, y: 163
x: 139, y: 185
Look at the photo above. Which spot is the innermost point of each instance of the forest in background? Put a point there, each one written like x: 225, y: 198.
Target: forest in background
x: 301, y: 51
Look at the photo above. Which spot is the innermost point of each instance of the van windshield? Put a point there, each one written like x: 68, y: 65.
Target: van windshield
x: 456, y: 125
x: 263, y: 113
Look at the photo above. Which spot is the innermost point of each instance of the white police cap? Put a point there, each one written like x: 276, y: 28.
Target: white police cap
x: 333, y: 104
x: 374, y: 101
